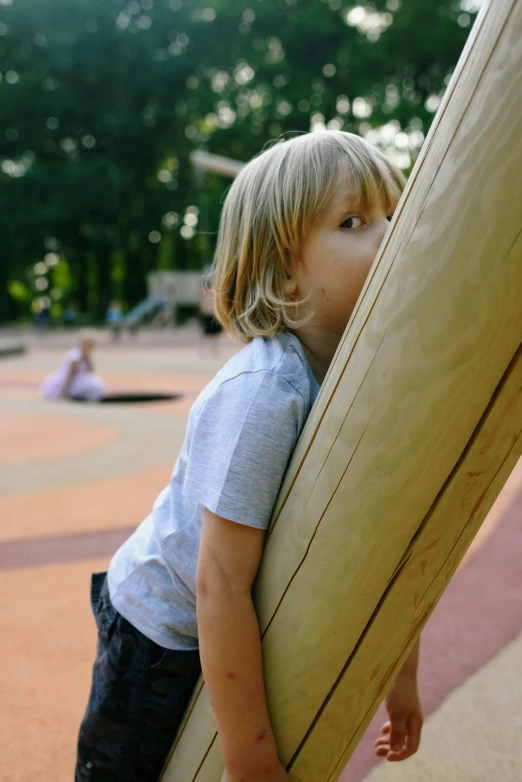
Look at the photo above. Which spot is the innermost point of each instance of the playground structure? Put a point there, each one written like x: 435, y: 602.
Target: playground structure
x: 416, y: 429
x: 167, y: 290
x: 226, y: 166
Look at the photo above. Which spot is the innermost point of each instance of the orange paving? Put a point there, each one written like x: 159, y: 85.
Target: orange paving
x: 120, y: 502
x: 47, y: 646
x: 35, y: 437
x: 46, y: 627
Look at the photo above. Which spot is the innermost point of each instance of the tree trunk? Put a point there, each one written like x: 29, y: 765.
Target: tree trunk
x: 7, y: 306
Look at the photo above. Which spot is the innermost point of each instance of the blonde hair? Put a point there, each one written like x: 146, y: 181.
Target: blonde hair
x: 88, y: 335
x: 266, y: 216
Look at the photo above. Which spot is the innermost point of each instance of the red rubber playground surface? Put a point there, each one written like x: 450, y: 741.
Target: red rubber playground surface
x: 76, y: 479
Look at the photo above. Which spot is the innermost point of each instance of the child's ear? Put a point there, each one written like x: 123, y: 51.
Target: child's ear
x: 290, y: 287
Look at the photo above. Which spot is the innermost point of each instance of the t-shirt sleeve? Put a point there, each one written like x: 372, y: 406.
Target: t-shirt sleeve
x: 241, y: 444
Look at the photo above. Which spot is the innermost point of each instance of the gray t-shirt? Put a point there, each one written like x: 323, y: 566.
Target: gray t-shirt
x: 241, y: 432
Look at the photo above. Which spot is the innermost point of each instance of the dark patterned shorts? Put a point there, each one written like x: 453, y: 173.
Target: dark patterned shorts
x: 138, y: 697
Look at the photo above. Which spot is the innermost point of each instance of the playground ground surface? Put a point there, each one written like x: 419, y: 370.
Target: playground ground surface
x: 76, y: 479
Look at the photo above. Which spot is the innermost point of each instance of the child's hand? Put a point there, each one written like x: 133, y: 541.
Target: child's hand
x: 401, y: 734
x: 276, y: 774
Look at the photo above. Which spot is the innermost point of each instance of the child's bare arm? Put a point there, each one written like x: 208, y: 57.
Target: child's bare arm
x: 230, y: 648
x: 401, y: 734
x: 73, y: 369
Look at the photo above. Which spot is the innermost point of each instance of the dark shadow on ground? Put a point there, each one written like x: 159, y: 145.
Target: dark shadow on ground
x: 134, y: 396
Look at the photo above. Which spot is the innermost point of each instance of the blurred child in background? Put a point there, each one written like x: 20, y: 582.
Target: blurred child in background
x: 76, y: 379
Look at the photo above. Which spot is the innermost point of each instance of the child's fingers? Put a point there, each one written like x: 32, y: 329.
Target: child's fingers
x: 384, y: 750
x: 398, y: 733
x: 383, y: 747
x: 414, y: 734
x: 395, y: 756
x: 382, y: 743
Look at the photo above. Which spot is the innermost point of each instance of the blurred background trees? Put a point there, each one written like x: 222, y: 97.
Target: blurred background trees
x: 102, y: 101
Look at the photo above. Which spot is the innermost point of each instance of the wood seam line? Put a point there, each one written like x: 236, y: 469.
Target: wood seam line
x: 312, y: 537
x: 194, y: 778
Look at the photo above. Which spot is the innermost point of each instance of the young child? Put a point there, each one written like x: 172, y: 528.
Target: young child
x: 300, y: 229
x: 76, y: 379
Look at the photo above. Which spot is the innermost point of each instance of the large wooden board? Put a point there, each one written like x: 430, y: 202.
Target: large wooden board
x: 416, y: 429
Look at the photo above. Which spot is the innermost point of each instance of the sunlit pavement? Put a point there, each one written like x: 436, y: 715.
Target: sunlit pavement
x: 75, y: 479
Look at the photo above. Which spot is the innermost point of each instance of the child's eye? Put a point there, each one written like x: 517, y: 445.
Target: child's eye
x: 352, y: 222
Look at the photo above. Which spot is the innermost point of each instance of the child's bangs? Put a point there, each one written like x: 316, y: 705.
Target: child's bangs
x: 335, y: 160
x: 369, y: 180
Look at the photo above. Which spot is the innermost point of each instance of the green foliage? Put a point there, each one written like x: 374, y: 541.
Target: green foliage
x: 102, y: 102
x: 19, y: 292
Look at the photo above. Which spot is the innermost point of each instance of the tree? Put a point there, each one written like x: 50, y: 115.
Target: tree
x: 103, y: 100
